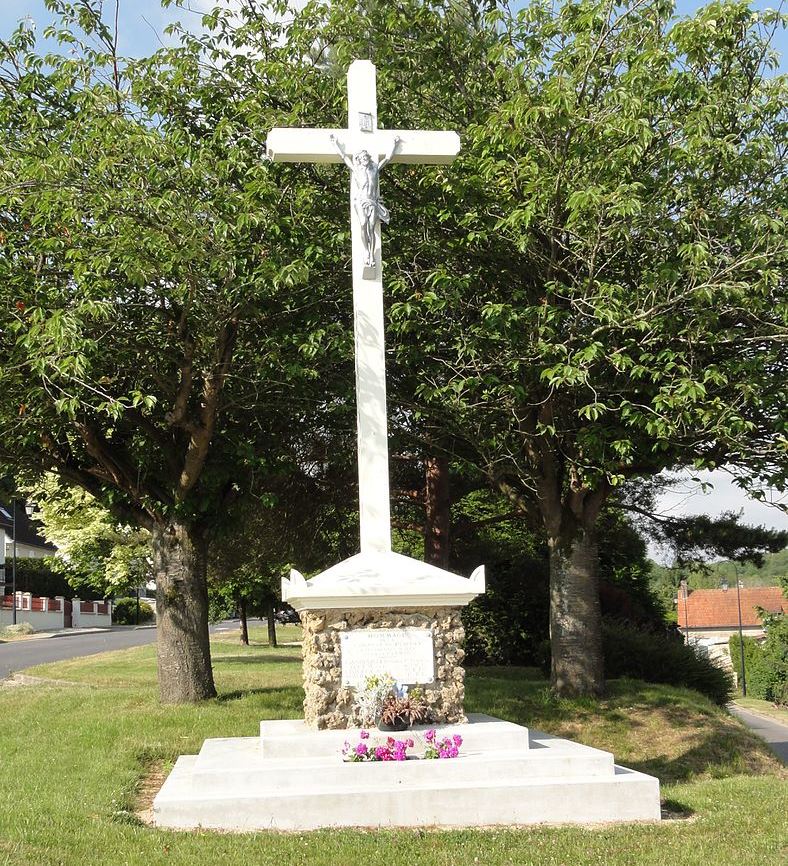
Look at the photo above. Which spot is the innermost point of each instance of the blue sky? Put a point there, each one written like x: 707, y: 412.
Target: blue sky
x: 141, y: 29
x: 142, y: 22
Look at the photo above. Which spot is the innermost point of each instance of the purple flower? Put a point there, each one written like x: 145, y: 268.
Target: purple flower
x: 453, y: 752
x: 430, y: 735
x: 361, y: 749
x: 364, y: 735
x: 457, y: 740
x: 380, y: 751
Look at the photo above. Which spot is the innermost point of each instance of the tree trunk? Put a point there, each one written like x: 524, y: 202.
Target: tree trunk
x: 271, y: 626
x: 184, y: 653
x: 575, y: 614
x: 437, y: 508
x: 244, y: 623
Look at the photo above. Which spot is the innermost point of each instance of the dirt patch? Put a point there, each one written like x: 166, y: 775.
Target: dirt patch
x: 149, y: 786
x: 26, y: 680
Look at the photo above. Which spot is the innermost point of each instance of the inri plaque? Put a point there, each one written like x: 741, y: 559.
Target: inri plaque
x: 405, y: 653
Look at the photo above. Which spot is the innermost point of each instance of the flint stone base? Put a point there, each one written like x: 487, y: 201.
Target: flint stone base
x: 328, y: 705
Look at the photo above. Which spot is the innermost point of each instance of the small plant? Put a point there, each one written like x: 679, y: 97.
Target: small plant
x: 21, y: 629
x: 402, y: 707
x: 391, y: 750
x: 369, y: 700
x: 448, y: 747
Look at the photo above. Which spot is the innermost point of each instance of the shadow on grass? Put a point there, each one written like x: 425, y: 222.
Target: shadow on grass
x: 282, y: 696
x: 254, y: 659
x: 718, y: 754
x: 674, y: 810
x: 672, y: 733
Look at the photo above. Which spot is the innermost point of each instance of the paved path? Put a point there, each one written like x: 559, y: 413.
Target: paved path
x: 20, y: 654
x: 774, y: 732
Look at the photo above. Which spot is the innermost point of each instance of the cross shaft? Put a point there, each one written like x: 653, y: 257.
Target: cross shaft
x: 333, y: 146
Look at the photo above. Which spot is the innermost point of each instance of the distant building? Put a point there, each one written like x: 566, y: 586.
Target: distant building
x: 706, y: 613
x: 29, y: 544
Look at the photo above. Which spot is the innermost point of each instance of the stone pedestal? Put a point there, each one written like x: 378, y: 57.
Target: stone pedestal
x: 382, y: 591
x: 330, y: 705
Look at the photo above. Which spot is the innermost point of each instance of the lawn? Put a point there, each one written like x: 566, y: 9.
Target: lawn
x: 74, y: 761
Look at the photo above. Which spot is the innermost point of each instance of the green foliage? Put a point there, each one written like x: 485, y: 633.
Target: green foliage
x: 97, y: 554
x: 124, y: 612
x: 509, y: 623
x: 40, y: 577
x: 766, y: 663
x: 661, y: 658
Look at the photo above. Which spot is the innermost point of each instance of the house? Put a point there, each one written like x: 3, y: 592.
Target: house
x: 29, y: 544
x: 708, y: 617
x: 715, y: 612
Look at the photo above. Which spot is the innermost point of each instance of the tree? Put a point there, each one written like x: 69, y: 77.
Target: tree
x: 159, y: 322
x: 617, y: 302
x: 96, y: 554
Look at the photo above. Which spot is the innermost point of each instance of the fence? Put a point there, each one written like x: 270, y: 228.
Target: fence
x: 45, y: 614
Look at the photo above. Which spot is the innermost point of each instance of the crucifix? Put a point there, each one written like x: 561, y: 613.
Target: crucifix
x: 365, y: 150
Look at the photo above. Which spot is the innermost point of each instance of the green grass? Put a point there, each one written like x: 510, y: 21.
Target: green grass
x: 72, y: 760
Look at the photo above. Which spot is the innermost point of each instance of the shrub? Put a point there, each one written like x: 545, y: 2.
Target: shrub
x: 18, y: 630
x: 125, y: 612
x: 659, y: 657
x: 38, y: 577
x: 506, y: 624
x: 766, y: 664
x: 752, y: 652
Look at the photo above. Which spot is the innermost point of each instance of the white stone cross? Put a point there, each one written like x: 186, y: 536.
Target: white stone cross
x: 366, y: 212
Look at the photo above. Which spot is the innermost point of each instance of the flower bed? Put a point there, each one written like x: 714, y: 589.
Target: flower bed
x: 391, y: 749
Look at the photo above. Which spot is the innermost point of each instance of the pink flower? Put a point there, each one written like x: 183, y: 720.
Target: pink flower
x: 380, y: 751
x: 457, y: 740
x: 364, y: 735
x: 430, y: 735
x: 410, y: 744
x: 361, y: 749
x: 453, y: 752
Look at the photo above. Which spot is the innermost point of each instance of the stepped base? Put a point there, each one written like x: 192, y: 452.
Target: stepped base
x: 294, y: 779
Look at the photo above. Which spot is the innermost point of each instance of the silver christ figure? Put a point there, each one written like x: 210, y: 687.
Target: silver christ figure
x: 365, y: 193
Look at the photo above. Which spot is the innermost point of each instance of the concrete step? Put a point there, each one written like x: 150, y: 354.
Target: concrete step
x: 625, y: 795
x: 238, y: 765
x: 290, y: 738
x: 295, y: 779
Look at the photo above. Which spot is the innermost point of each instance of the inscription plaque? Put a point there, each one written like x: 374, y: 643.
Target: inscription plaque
x: 405, y: 653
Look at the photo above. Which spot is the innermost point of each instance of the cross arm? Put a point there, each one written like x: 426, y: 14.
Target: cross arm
x: 288, y: 144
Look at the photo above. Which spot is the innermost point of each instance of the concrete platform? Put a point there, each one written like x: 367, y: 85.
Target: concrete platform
x: 253, y: 784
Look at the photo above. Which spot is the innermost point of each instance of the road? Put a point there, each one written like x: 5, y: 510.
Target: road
x: 20, y: 654
x: 775, y: 733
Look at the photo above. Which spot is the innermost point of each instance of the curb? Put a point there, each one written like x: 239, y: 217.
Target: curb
x: 761, y: 715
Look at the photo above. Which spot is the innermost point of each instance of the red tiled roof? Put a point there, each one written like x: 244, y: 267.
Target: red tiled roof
x: 717, y: 608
